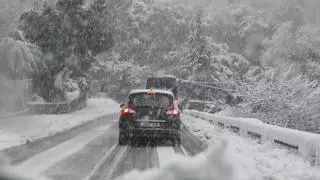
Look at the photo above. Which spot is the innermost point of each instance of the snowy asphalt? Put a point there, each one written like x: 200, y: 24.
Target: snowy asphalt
x: 91, y: 152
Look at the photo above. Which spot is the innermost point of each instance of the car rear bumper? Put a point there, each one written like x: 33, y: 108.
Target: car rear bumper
x: 151, y: 132
x: 143, y: 128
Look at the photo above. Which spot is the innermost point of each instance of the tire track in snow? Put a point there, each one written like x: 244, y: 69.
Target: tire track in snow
x: 84, y: 162
x: 184, y: 151
x: 165, y: 153
x: 44, y: 160
x: 107, y: 169
x: 104, y: 159
x: 22, y: 152
x: 190, y: 143
x: 137, y: 157
x: 181, y: 150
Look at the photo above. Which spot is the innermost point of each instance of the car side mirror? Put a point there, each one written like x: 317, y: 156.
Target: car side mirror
x: 122, y: 105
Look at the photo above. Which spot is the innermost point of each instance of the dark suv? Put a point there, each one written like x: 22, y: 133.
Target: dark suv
x: 150, y: 113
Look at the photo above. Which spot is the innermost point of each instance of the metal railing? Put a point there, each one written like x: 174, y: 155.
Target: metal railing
x: 304, y: 143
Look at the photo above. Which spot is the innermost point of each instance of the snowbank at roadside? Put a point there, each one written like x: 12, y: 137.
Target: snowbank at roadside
x: 18, y: 130
x: 307, y: 144
x: 271, y: 161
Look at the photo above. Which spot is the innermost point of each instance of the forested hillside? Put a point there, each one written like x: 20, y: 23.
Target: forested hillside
x: 268, y: 51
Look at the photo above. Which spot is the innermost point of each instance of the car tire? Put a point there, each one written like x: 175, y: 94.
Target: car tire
x: 123, y: 139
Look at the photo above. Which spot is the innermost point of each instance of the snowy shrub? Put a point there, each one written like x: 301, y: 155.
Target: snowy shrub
x: 95, y: 87
x: 14, y: 94
x: 18, y: 58
x: 71, y: 89
x: 282, y: 100
x: 117, y: 77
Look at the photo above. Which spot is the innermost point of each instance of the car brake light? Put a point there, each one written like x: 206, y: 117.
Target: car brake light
x: 128, y: 111
x: 172, y: 112
x: 151, y: 92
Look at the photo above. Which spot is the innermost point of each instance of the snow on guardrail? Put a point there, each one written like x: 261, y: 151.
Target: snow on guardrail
x: 306, y: 144
x: 317, y: 149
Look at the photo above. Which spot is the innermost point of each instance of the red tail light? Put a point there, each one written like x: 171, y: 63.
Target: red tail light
x: 151, y: 92
x: 173, y: 112
x: 128, y: 112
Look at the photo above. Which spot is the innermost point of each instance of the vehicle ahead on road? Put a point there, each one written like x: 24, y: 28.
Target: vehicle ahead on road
x: 150, y: 113
x: 163, y: 82
x: 167, y: 82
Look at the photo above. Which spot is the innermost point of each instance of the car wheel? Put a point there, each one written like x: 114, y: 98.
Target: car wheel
x: 123, y: 138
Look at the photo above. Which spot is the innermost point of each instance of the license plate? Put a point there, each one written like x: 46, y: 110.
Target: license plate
x: 150, y: 124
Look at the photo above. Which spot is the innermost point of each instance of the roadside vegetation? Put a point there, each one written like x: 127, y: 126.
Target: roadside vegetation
x: 267, y: 52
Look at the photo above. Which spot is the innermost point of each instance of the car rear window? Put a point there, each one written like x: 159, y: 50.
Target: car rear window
x: 153, y: 100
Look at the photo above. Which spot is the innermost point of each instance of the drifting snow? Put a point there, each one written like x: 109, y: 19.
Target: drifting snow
x: 271, y: 161
x: 8, y: 172
x: 221, y: 163
x: 19, y: 130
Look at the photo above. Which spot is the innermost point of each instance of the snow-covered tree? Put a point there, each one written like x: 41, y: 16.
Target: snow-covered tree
x: 117, y: 77
x: 197, y: 63
x: 18, y: 58
x: 267, y: 50
x: 70, y: 35
x: 147, y: 30
x: 298, y: 48
x: 286, y: 99
x: 289, y: 10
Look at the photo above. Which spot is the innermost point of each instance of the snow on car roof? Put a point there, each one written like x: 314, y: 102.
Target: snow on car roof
x: 163, y: 76
x: 163, y: 91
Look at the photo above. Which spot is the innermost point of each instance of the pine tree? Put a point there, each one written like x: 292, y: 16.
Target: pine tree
x: 198, y: 63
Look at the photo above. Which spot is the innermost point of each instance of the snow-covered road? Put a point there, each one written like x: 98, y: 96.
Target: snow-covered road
x: 207, y: 153
x: 95, y: 154
x: 21, y: 129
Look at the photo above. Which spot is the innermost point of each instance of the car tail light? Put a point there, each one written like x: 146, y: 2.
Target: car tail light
x: 128, y: 112
x: 173, y: 112
x: 151, y: 92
